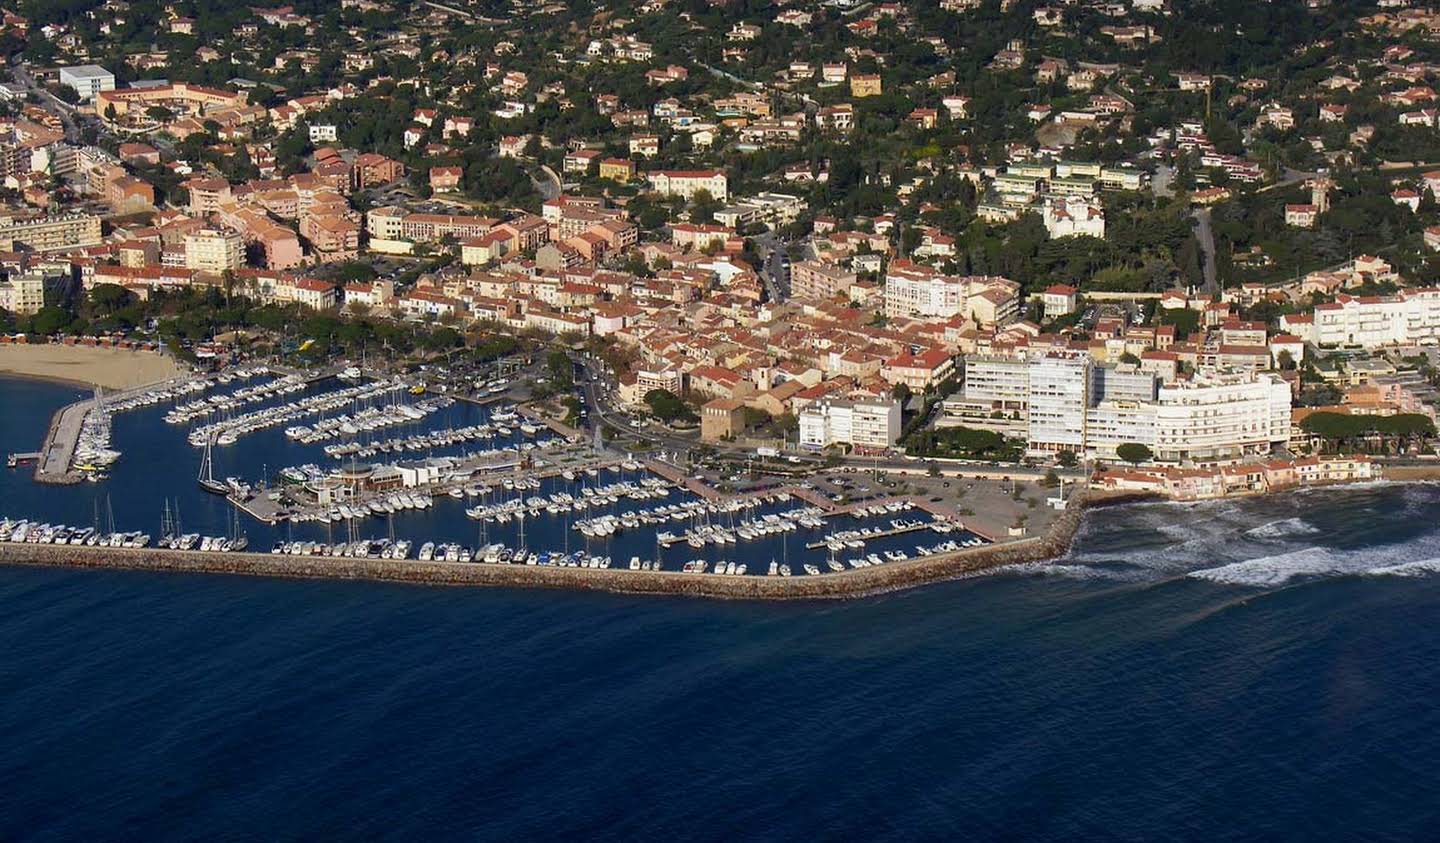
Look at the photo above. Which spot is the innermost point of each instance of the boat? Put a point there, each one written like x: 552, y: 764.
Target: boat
x: 207, y: 472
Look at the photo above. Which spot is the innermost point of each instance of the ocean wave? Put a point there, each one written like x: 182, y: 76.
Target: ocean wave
x: 1282, y: 529
x: 1417, y: 568
x: 1068, y: 571
x: 1266, y: 571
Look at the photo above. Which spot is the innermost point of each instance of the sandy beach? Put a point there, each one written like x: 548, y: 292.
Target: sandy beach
x: 110, y: 368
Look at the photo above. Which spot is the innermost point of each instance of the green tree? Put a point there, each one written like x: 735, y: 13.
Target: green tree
x: 1134, y: 453
x: 667, y: 406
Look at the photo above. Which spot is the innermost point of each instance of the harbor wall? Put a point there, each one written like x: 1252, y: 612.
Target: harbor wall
x: 847, y: 584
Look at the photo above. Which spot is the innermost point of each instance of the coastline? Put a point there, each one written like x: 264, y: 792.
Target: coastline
x: 849, y: 584
x: 110, y: 368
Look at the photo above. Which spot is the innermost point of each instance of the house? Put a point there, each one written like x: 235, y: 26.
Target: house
x: 1059, y: 300
x: 866, y: 85
x: 919, y: 372
x: 1301, y: 215
x: 617, y: 169
x: 687, y: 183
x: 923, y: 118
x: 445, y: 179
x: 513, y: 146
x: 581, y: 161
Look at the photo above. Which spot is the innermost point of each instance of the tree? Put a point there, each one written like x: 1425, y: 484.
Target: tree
x: 50, y: 320
x: 561, y: 369
x: 1067, y: 459
x: 1134, y: 453
x: 667, y: 406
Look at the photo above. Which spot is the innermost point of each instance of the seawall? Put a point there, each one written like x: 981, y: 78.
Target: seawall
x: 847, y: 584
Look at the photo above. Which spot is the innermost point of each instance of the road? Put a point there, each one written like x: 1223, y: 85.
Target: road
x: 775, y: 271
x: 550, y: 186
x: 1205, y: 234
x: 725, y: 74
x: 61, y: 109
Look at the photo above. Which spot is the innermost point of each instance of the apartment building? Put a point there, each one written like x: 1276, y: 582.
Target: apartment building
x: 1221, y: 417
x: 1407, y: 317
x: 687, y: 183
x: 88, y: 80
x: 916, y: 291
x: 819, y: 281
x: 49, y: 234
x: 214, y: 250
x: 863, y: 424
x: 23, y: 293
x: 1058, y: 396
x: 1112, y: 423
x: 1063, y: 401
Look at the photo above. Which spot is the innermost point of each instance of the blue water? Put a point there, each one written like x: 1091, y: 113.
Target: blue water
x: 1238, y: 670
x: 158, y: 468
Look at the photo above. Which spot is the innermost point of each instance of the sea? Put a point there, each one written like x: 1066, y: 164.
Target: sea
x: 1262, y: 669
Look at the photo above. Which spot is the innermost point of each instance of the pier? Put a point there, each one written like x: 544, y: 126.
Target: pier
x: 270, y: 506
x: 882, y: 534
x: 53, y: 464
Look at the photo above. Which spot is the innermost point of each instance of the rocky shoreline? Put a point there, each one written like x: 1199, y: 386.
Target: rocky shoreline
x: 843, y: 585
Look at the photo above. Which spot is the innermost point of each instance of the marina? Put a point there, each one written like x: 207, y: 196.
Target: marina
x: 356, y: 468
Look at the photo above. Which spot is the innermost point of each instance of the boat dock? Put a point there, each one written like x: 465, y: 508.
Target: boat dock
x: 53, y: 463
x: 270, y: 506
x: 882, y: 534
x: 14, y: 460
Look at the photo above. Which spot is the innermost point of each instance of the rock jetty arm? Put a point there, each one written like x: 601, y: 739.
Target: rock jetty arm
x: 847, y: 584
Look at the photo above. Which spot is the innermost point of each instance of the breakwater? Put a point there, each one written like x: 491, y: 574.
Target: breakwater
x: 846, y: 584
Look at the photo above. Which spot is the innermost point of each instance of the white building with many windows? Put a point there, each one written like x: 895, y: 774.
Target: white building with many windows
x: 915, y: 291
x: 87, y: 80
x: 1406, y: 318
x: 872, y: 424
x: 1221, y: 417
x: 1058, y: 397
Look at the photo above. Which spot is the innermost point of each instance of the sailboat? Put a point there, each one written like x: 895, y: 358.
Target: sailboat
x: 207, y: 472
x: 238, y: 540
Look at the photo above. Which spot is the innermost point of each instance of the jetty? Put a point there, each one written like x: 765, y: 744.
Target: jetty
x: 55, y: 459
x: 851, y: 583
x: 58, y: 452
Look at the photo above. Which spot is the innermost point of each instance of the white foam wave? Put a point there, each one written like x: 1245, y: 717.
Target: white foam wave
x: 1418, y: 568
x: 1284, y: 528
x: 1267, y: 571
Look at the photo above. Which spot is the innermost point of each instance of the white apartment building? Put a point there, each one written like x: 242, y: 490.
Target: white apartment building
x: 87, y: 80
x: 1073, y: 216
x: 23, y: 294
x: 1408, y: 317
x: 863, y: 424
x: 214, y: 250
x: 1110, y: 424
x: 686, y: 183
x: 1058, y: 398
x: 1221, y: 417
x: 1062, y: 401
x: 914, y: 291
x: 999, y: 384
